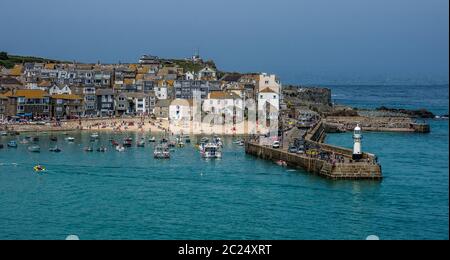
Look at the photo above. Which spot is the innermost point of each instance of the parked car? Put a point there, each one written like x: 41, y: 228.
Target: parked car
x: 292, y: 149
x: 276, y: 145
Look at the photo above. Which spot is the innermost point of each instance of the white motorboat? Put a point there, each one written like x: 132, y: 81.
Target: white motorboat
x: 210, y: 151
x: 70, y: 139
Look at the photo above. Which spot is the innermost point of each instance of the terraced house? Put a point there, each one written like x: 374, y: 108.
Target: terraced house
x: 29, y: 103
x: 67, y: 106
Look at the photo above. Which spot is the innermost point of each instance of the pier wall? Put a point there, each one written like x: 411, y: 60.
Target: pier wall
x: 357, y: 170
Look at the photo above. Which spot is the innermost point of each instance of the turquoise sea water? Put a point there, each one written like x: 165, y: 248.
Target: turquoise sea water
x: 132, y: 196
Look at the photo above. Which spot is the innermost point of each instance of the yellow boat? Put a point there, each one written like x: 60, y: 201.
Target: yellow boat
x: 39, y: 168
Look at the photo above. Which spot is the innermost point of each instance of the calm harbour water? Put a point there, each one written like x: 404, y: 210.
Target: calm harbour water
x: 132, y: 196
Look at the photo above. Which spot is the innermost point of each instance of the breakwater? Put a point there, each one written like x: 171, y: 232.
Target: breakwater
x: 345, y: 168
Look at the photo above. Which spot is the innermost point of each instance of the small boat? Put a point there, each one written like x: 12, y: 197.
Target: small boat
x: 172, y: 144
x: 241, y: 143
x: 210, y: 151
x: 54, y: 150
x: 88, y: 149
x: 70, y: 139
x: 39, y: 168
x: 152, y: 139
x: 34, y: 149
x: 12, y: 144
x: 164, y: 140
x: 127, y: 143
x: 102, y: 149
x: 180, y: 144
x: 161, y: 152
x: 95, y: 136
x: 238, y: 141
x: 141, y: 143
x: 282, y: 163
x: 120, y: 148
x: 114, y: 143
x: 24, y: 141
x: 53, y: 138
x: 3, y: 133
x: 204, y: 140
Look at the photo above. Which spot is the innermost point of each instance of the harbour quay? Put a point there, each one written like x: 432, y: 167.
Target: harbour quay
x: 325, y: 160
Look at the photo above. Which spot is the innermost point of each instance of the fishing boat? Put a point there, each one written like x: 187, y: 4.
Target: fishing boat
x: 217, y: 140
x: 70, y: 139
x: 12, y: 144
x: 128, y: 142
x: 237, y: 141
x: 34, y: 149
x: 53, y: 138
x: 152, y: 139
x: 141, y: 143
x: 24, y: 141
x: 120, y: 148
x: 102, y: 149
x: 161, y: 152
x: 211, y: 151
x: 88, y: 149
x: 54, y: 150
x: 94, y: 136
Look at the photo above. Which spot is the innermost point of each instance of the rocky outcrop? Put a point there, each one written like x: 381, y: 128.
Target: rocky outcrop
x: 419, y: 113
x: 297, y: 95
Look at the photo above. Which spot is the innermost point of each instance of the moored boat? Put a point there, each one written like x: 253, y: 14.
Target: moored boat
x: 88, y: 149
x: 12, y: 144
x: 34, y: 149
x: 211, y: 151
x: 120, y: 148
x: 152, y: 139
x: 53, y: 138
x: 54, y: 149
x: 70, y: 139
x: 161, y: 152
x: 102, y: 149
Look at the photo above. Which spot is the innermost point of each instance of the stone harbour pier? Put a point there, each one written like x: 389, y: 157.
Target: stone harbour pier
x: 329, y: 161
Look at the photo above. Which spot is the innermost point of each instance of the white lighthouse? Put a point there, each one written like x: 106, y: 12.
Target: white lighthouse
x: 357, y: 136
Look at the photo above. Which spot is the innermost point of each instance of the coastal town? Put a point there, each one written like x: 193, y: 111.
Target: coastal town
x: 183, y: 97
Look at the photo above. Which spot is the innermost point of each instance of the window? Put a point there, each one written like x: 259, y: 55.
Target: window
x: 45, y: 108
x: 267, y: 82
x: 59, y: 101
x: 274, y: 97
x: 21, y: 100
x: 20, y: 108
x: 261, y: 96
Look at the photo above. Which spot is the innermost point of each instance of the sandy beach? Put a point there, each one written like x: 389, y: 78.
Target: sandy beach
x: 136, y: 124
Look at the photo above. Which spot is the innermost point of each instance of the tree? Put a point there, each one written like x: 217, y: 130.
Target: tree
x: 3, y: 55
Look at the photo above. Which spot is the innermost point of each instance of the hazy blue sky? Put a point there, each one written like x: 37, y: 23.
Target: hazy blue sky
x: 321, y: 41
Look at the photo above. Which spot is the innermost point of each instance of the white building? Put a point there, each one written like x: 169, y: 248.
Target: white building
x: 162, y: 90
x: 207, y: 73
x: 180, y: 110
x: 269, y: 81
x: 269, y: 103
x: 224, y: 103
x: 189, y: 76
